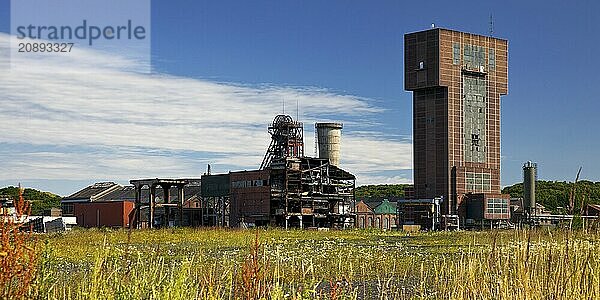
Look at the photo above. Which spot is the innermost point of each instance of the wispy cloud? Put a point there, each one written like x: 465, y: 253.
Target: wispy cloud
x: 135, y: 125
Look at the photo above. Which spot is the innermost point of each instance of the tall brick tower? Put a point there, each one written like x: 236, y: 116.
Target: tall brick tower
x: 457, y: 79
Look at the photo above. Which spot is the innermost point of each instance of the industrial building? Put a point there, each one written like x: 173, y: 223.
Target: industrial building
x: 457, y: 79
x: 377, y: 213
x: 419, y: 214
x: 527, y: 211
x: 108, y: 204
x: 290, y: 189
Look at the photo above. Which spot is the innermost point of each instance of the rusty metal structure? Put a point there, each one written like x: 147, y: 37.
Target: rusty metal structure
x: 288, y: 190
x: 304, y: 191
x: 310, y: 192
x: 287, y: 139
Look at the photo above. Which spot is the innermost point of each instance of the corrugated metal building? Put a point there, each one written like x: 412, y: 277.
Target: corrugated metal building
x: 103, y: 213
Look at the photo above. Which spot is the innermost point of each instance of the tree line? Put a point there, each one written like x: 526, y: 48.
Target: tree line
x: 39, y: 201
x: 553, y: 195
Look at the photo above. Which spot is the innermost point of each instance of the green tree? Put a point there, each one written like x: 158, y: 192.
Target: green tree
x: 553, y: 194
x: 40, y: 201
x: 381, y: 190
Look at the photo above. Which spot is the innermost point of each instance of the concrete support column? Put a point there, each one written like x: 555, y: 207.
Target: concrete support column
x: 223, y: 211
x: 203, y: 201
x: 138, y: 207
x: 167, y: 197
x: 151, y: 206
x: 180, y: 204
x: 215, y: 209
x: 219, y: 212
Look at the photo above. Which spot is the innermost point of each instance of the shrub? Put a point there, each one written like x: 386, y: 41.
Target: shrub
x: 17, y: 256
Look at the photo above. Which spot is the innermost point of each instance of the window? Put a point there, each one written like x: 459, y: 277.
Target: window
x: 478, y: 182
x: 492, y: 59
x: 67, y: 209
x: 474, y: 121
x: 474, y: 57
x: 467, y: 55
x: 475, y: 140
x: 421, y: 65
x: 456, y: 53
x: 497, y: 206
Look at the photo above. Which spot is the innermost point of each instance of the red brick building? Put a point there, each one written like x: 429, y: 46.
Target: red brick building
x: 457, y: 79
x: 250, y: 198
x: 381, y: 214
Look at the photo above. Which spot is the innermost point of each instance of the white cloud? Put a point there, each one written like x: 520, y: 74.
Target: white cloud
x: 100, y: 105
x: 380, y: 179
x: 116, y: 165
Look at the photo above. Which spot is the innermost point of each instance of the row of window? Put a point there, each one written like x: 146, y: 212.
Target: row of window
x: 497, y: 206
x: 376, y: 223
x: 474, y: 56
x: 478, y: 182
x: 249, y: 183
x: 474, y: 122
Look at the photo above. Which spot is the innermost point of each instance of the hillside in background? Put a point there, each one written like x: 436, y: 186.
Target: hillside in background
x: 553, y: 194
x: 381, y: 190
x: 39, y: 200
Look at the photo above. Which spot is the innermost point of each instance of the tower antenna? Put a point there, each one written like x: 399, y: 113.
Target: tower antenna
x: 283, y: 106
x: 297, y: 110
x: 491, y: 25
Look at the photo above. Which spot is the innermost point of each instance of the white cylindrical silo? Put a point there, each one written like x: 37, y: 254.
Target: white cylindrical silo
x: 329, y: 139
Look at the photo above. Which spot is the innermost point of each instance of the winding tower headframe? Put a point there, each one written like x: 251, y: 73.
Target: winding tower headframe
x: 287, y: 140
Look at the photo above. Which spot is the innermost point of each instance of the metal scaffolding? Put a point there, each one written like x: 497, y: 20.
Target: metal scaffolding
x: 310, y: 192
x: 287, y: 140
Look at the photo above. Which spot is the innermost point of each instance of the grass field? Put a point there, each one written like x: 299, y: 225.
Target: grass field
x: 352, y: 264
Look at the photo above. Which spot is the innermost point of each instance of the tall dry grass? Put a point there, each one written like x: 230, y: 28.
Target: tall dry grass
x: 354, y: 264
x: 529, y: 264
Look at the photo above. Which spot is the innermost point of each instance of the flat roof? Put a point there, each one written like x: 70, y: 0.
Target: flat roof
x: 452, y: 30
x: 159, y: 181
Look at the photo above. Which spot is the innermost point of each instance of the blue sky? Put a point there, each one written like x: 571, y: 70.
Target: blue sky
x: 347, y: 54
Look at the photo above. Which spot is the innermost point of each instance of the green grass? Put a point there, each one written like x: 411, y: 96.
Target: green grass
x: 353, y: 264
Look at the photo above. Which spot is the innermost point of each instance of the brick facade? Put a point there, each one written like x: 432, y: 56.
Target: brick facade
x: 457, y: 79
